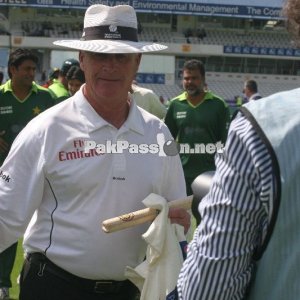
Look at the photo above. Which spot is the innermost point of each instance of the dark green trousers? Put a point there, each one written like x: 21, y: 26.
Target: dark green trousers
x: 7, y: 259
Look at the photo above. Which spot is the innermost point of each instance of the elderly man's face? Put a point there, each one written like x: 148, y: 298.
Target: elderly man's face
x: 108, y: 75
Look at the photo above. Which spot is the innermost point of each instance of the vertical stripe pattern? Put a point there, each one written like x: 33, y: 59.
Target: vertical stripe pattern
x: 235, y: 216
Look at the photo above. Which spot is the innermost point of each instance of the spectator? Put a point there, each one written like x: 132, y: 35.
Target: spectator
x: 188, y: 33
x: 53, y: 74
x: 250, y: 90
x: 43, y: 77
x: 238, y: 100
x: 197, y: 116
x: 76, y: 79
x: 21, y: 100
x: 57, y: 173
x: 247, y: 245
x: 201, y: 33
x: 1, y: 77
x: 140, y: 27
x: 60, y: 85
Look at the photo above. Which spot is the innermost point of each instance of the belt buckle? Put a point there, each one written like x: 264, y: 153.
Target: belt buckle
x: 103, y: 287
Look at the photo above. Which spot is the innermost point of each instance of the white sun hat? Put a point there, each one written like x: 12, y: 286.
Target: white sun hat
x: 110, y: 29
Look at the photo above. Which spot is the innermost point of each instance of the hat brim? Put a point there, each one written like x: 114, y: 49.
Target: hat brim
x: 109, y: 46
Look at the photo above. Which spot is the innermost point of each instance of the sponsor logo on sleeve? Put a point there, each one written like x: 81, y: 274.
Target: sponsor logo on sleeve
x: 4, y: 176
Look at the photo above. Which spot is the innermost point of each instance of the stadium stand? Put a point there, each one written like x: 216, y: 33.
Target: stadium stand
x: 229, y: 85
x: 225, y: 73
x: 215, y: 36
x: 167, y: 91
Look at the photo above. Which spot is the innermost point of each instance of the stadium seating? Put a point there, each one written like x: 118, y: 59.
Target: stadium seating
x: 64, y: 24
x: 215, y: 36
x: 167, y: 91
x: 218, y: 36
x: 228, y: 85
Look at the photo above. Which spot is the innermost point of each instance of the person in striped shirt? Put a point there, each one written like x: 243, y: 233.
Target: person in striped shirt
x: 247, y: 244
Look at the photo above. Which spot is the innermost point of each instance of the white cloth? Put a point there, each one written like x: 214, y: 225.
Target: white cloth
x: 157, y: 276
x: 73, y: 192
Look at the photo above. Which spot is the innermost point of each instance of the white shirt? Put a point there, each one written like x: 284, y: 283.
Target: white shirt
x: 72, y: 192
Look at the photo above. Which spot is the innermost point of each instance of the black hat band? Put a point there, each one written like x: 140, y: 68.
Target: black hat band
x: 110, y: 32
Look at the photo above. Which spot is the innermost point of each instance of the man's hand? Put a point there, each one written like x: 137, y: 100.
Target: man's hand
x: 3, y: 145
x: 180, y: 216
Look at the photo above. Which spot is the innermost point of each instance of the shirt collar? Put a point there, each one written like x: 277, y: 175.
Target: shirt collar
x: 208, y: 95
x: 93, y: 121
x: 8, y: 88
x: 183, y: 97
x: 253, y: 96
x: 135, y: 120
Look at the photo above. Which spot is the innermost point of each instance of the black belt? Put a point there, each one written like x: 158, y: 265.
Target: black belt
x: 96, y: 286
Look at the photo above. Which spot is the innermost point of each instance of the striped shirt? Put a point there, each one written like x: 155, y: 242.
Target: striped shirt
x: 235, y: 216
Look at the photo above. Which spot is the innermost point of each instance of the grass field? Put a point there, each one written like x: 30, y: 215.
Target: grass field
x: 14, y: 291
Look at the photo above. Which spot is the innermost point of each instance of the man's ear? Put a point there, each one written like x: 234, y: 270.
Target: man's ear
x: 12, y: 69
x: 80, y: 57
x: 139, y: 58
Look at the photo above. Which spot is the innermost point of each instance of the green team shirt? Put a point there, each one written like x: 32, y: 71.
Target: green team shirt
x: 59, y: 90
x: 15, y: 114
x: 203, y: 124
